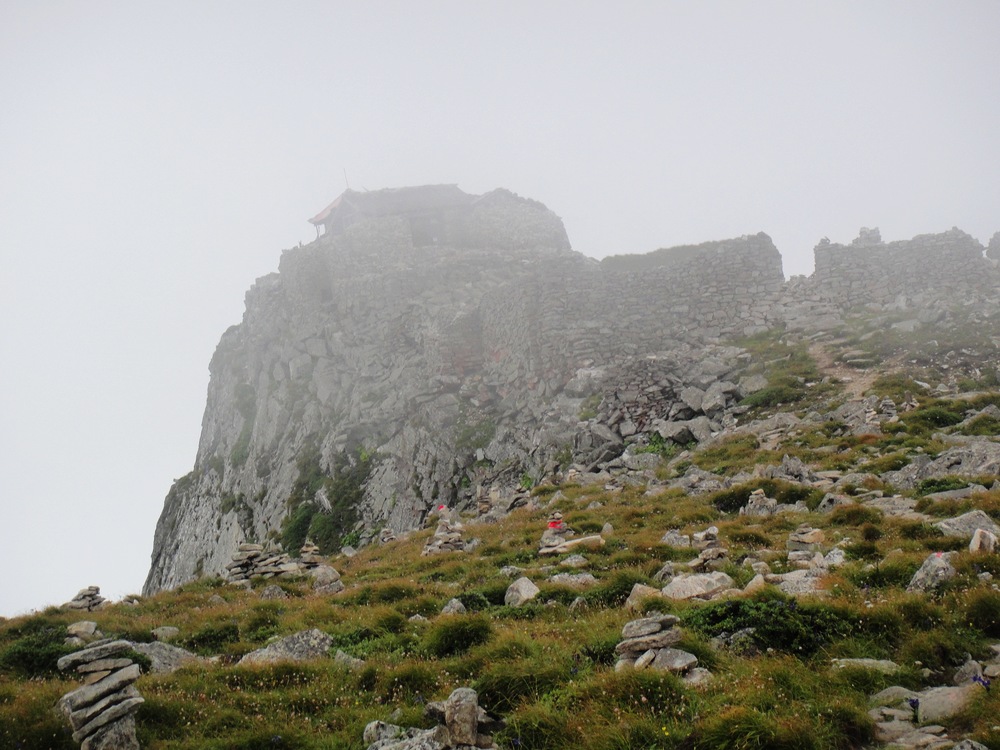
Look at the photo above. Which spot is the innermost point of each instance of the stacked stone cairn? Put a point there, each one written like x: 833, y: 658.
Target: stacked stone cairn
x: 461, y: 724
x: 556, y: 539
x: 447, y: 538
x: 102, y: 711
x: 647, y: 643
x: 87, y: 599
x: 256, y: 561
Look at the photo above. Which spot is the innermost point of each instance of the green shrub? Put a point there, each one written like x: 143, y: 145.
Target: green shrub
x: 937, y: 649
x: 211, y: 638
x: 750, y: 539
x: 773, y: 396
x: 406, y: 682
x: 504, y: 686
x: 456, y: 634
x: 387, y: 593
x: 941, y: 484
x: 778, y: 623
x: 613, y: 591
x: 984, y: 424
x: 740, y: 728
x: 539, y: 727
x: 36, y: 652
x: 862, y: 551
x: 886, y: 574
x: 854, y: 515
x: 982, y: 611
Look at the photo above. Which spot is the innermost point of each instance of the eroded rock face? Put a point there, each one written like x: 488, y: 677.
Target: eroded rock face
x: 458, y: 345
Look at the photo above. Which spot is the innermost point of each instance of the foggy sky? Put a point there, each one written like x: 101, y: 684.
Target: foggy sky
x: 155, y: 158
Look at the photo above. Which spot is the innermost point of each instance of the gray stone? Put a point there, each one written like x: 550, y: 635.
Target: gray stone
x: 165, y: 658
x: 943, y: 702
x: 461, y: 712
x: 302, y: 646
x: 674, y: 660
x: 674, y: 538
x: 273, y: 592
x: 661, y: 639
x: 453, y: 607
x: 88, y: 694
x: 165, y: 633
x: 648, y: 625
x: 113, y: 713
x: 82, y: 629
x: 892, y: 696
x: 699, y: 585
x: 323, y: 575
x: 966, y: 524
x: 98, y: 650
x: 983, y: 541
x: 639, y: 593
x: 937, y: 569
x: 118, y: 735
x: 519, y: 592
x: 574, y: 580
x: 575, y: 561
x: 328, y: 589
x: 346, y: 660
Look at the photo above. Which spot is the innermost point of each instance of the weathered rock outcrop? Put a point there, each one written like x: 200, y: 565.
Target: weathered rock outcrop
x: 446, y: 343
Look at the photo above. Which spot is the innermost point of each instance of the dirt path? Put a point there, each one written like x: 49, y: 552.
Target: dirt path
x: 855, y: 381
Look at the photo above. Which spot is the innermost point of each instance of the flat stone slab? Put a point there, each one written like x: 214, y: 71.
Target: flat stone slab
x: 674, y: 660
x: 88, y: 694
x: 700, y: 585
x: 101, y: 650
x: 648, y: 625
x: 302, y: 646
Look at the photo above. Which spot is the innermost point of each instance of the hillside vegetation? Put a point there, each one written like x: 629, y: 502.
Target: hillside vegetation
x: 547, y: 667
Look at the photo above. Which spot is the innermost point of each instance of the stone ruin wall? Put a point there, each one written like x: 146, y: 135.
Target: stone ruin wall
x: 552, y: 326
x: 949, y: 264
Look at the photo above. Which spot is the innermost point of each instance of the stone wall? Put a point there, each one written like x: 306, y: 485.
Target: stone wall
x: 870, y: 271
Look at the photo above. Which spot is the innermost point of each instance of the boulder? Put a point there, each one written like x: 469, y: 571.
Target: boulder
x: 453, y: 607
x: 967, y: 524
x: 639, y: 593
x: 519, y: 592
x: 937, y: 569
x: 701, y: 585
x: 165, y: 658
x: 302, y: 646
x: 940, y: 703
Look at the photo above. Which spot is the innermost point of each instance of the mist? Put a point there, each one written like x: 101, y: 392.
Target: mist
x: 154, y: 161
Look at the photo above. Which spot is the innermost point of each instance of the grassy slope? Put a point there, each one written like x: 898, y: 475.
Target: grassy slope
x: 549, y: 670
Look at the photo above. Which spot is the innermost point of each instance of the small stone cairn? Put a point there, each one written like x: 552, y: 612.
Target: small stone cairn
x: 462, y: 724
x: 556, y: 533
x: 87, y: 599
x: 759, y: 505
x: 101, y: 711
x: 556, y: 539
x: 256, y: 561
x: 447, y: 538
x: 647, y: 643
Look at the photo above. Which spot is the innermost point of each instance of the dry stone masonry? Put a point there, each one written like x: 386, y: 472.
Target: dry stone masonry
x: 102, y: 711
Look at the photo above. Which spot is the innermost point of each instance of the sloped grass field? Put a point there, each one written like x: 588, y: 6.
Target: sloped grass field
x: 545, y: 668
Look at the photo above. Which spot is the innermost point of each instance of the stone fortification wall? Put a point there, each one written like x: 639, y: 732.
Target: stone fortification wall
x: 869, y: 271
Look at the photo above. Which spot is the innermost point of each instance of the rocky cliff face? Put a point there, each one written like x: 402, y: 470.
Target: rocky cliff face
x: 432, y: 345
